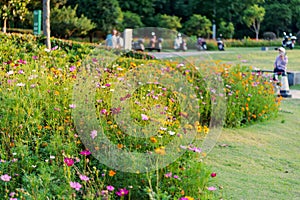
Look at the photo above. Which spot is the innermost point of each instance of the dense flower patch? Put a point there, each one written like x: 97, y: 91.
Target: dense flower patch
x: 44, y: 156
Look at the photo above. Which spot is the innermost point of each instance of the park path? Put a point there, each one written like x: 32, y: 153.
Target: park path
x: 164, y: 55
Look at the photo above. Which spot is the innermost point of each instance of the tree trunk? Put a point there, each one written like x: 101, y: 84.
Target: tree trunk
x: 46, y: 22
x: 4, y: 25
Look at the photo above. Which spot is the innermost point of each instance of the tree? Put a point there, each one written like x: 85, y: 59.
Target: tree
x: 46, y: 22
x: 226, y: 29
x: 10, y: 9
x: 144, y: 8
x: 278, y: 18
x: 169, y: 22
x: 253, y: 16
x: 107, y: 15
x: 131, y: 20
x: 65, y: 23
x: 198, y: 25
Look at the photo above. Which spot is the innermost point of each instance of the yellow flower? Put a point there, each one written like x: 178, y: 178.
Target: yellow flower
x: 205, y: 129
x: 199, y: 128
x: 160, y: 151
x: 189, y: 198
x: 56, y: 92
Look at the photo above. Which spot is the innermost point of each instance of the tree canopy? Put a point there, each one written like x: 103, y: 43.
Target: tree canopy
x: 234, y: 18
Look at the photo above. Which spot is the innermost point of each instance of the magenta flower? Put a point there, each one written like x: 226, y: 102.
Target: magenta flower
x: 175, y: 176
x: 85, y: 152
x: 122, y: 192
x: 72, y: 106
x: 183, y: 198
x: 83, y: 177
x: 5, y: 178
x: 103, y: 111
x: 35, y: 57
x: 22, y: 61
x: 93, y: 134
x: 211, y: 188
x: 213, y: 174
x: 69, y: 161
x: 110, y: 188
x: 75, y: 185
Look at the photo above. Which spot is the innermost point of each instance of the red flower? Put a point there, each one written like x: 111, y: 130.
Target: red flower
x: 69, y: 161
x: 213, y: 174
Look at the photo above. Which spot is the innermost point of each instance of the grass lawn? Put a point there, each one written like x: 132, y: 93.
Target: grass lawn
x: 256, y: 57
x: 261, y: 161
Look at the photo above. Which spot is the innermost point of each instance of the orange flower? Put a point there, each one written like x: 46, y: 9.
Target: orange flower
x: 112, y: 173
x: 153, y: 139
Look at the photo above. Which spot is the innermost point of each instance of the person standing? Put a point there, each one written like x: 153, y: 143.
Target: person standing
x: 280, y: 64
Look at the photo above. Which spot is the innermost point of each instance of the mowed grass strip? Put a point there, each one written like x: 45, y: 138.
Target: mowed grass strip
x: 261, y: 161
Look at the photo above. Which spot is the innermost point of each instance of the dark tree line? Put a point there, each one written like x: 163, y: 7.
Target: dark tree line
x: 230, y: 16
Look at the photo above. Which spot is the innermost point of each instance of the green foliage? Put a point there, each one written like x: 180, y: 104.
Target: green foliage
x: 131, y: 20
x: 12, y: 9
x: 65, y: 23
x: 198, y: 25
x: 253, y: 16
x: 105, y: 14
x: 277, y: 14
x: 143, y: 8
x: 226, y: 29
x: 169, y: 22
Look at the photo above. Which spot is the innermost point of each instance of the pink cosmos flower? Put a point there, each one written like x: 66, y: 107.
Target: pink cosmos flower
x: 54, y: 48
x: 72, y: 68
x: 83, y: 177
x: 168, y: 175
x: 110, y: 188
x: 214, y: 174
x: 122, y: 192
x: 93, y: 134
x: 144, y: 117
x: 69, y: 161
x: 75, y: 185
x: 211, y: 188
x: 72, y: 106
x: 5, y: 178
x: 85, y: 152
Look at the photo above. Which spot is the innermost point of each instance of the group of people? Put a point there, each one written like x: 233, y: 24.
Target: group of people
x: 114, y: 40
